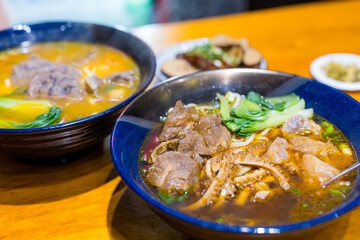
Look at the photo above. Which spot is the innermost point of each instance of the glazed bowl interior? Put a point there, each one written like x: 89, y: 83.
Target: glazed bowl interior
x: 141, y: 115
x: 67, y: 138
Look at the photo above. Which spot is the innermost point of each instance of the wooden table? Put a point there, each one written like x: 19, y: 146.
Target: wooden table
x: 85, y: 198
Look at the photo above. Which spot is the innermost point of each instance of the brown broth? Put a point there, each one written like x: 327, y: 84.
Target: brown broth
x: 99, y: 59
x: 298, y: 204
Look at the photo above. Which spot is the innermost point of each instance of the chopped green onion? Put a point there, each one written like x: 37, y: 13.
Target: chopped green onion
x: 337, y: 192
x: 296, y: 190
x: 329, y: 130
x: 325, y: 124
x: 208, y: 51
x: 170, y: 198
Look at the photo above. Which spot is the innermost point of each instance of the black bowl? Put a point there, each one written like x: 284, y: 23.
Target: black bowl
x: 68, y: 138
x: 140, y: 116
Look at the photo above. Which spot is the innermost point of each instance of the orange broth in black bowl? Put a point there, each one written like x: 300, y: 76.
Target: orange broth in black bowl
x: 79, y: 76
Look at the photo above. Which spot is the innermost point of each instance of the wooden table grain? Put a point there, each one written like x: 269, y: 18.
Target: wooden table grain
x: 86, y: 199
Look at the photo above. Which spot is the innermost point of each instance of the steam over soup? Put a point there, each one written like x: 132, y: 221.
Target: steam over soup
x: 247, y: 160
x: 57, y: 82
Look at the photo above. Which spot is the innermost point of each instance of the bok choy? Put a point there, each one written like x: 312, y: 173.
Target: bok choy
x: 14, y: 112
x: 255, y: 112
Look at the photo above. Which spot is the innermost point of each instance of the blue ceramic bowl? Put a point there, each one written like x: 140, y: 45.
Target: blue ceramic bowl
x: 141, y: 115
x: 68, y: 138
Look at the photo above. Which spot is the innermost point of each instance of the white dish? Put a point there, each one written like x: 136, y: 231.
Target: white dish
x: 172, y: 51
x: 318, y: 73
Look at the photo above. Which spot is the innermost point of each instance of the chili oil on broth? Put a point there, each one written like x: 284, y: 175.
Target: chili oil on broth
x: 297, y: 204
x: 88, y: 58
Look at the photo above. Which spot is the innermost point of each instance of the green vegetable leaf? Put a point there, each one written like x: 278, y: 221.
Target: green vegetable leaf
x: 340, y: 192
x: 326, y: 124
x: 296, y: 190
x: 207, y: 51
x: 46, y: 119
x: 274, y: 103
x: 256, y: 113
x: 224, y: 107
x: 283, y: 102
x: 250, y: 110
x: 274, y: 121
x: 345, y: 188
x: 335, y: 191
x: 170, y: 198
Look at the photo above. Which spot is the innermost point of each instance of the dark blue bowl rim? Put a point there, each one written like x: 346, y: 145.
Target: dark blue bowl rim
x: 272, y: 229
x: 118, y: 106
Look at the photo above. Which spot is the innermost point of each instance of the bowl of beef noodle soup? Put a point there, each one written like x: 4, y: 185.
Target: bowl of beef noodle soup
x: 63, y: 84
x: 241, y: 153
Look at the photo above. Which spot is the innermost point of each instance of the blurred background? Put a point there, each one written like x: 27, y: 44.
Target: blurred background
x: 129, y: 13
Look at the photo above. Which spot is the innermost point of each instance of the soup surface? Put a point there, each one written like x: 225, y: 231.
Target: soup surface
x: 239, y: 163
x: 80, y: 79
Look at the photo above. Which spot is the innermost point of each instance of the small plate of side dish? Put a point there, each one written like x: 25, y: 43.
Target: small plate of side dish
x: 63, y: 84
x: 219, y: 52
x: 242, y: 158
x: 338, y: 70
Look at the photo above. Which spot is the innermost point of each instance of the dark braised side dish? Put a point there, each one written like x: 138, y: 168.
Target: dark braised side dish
x: 248, y: 160
x: 222, y: 51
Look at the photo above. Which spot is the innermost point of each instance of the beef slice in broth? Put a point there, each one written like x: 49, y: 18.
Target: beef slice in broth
x: 316, y: 171
x: 277, y: 152
x: 300, y: 124
x: 193, y: 142
x: 178, y: 122
x: 311, y: 146
x: 217, y: 136
x: 174, y: 171
x: 44, y: 78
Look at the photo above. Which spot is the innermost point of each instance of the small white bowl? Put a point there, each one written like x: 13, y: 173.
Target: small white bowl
x: 318, y: 73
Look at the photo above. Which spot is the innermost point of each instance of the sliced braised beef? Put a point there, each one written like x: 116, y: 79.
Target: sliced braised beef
x: 193, y: 142
x: 174, y: 171
x: 92, y: 84
x: 122, y: 77
x: 208, y: 121
x: 178, y: 122
x: 310, y: 146
x: 277, y: 152
x: 23, y: 72
x: 217, y: 136
x: 317, y: 170
x: 170, y: 145
x: 57, y: 80
x: 44, y: 78
x: 300, y: 124
x: 217, y: 139
x: 203, y: 63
